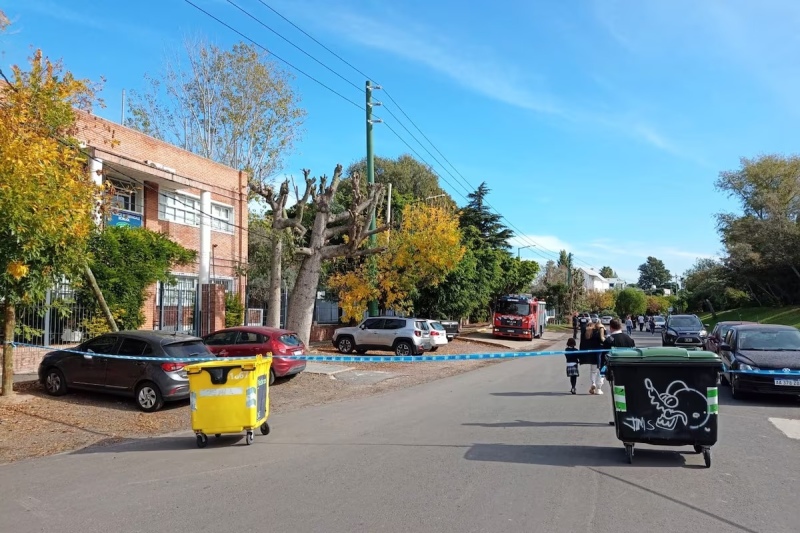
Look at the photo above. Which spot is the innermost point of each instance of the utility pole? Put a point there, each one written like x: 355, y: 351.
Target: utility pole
x: 569, y: 283
x: 373, y: 304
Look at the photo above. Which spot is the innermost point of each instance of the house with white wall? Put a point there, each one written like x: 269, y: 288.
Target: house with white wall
x: 593, y: 281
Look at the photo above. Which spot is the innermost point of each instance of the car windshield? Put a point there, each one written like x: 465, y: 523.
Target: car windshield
x: 505, y: 307
x: 194, y: 348
x: 436, y: 325
x: 685, y: 322
x: 658, y: 319
x: 290, y: 339
x: 766, y: 340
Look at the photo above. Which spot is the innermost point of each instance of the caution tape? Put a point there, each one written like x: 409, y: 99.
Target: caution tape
x: 786, y: 372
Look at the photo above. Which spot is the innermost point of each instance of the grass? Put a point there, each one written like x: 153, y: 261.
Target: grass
x: 789, y: 316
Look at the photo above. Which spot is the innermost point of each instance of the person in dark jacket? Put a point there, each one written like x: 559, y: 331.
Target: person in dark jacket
x: 575, y: 325
x: 616, y: 339
x: 573, y: 360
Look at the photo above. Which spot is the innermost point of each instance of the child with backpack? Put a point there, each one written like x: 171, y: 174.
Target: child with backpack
x: 572, y: 364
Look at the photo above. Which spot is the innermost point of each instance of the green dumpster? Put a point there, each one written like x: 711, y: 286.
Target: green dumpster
x: 665, y: 397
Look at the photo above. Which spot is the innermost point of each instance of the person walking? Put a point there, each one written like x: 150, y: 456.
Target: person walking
x: 652, y: 325
x: 593, y: 340
x: 573, y: 361
x: 629, y: 324
x: 641, y: 323
x: 616, y: 339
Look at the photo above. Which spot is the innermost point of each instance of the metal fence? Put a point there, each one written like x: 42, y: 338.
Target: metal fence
x: 325, y: 311
x: 58, y: 319
x: 175, y: 307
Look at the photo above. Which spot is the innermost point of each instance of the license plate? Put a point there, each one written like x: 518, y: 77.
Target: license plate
x: 298, y: 352
x: 687, y: 339
x: 510, y: 330
x: 787, y: 382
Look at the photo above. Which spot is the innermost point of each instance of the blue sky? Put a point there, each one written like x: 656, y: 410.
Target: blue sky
x: 599, y: 125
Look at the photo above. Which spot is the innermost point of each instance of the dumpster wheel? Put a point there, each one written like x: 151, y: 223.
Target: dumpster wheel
x: 707, y: 457
x: 629, y: 452
x: 202, y: 440
x: 265, y: 429
x: 249, y: 438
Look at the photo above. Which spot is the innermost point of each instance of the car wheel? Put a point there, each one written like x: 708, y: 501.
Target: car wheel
x: 148, y: 397
x: 54, y: 382
x: 345, y: 345
x: 271, y: 376
x: 403, y: 348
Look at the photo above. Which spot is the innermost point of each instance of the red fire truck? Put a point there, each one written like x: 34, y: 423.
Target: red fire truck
x: 520, y: 317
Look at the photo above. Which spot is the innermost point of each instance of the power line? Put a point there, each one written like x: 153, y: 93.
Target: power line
x: 243, y: 36
x: 293, y: 44
x: 521, y: 234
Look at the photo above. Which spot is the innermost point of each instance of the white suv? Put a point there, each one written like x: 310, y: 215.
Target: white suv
x: 403, y: 336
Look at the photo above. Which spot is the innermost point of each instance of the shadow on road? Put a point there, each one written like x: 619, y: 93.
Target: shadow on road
x: 161, y: 444
x: 758, y: 400
x: 534, y: 424
x: 533, y: 393
x: 573, y: 455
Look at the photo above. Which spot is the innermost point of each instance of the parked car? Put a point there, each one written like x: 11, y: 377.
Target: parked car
x: 438, y: 334
x: 245, y: 341
x: 685, y: 331
x: 150, y: 383
x: 659, y: 321
x: 452, y: 327
x: 717, y: 334
x: 761, y: 347
x: 606, y: 319
x: 404, y: 336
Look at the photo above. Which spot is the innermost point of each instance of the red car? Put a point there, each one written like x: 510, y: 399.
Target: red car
x: 243, y: 341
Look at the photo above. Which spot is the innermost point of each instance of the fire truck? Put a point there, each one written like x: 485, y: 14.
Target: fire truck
x: 519, y: 317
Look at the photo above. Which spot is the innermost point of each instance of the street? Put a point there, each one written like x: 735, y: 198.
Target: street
x: 502, y: 448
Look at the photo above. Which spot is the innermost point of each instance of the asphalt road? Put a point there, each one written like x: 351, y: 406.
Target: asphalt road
x: 504, y: 448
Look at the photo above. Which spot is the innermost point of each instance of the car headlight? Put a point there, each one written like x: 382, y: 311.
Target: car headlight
x: 746, y: 367
x: 703, y: 333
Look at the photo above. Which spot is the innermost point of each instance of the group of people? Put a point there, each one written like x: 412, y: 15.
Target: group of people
x: 642, y: 321
x: 595, y: 340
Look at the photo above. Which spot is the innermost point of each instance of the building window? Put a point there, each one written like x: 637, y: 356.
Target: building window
x: 176, y: 207
x: 222, y: 218
x: 125, y: 196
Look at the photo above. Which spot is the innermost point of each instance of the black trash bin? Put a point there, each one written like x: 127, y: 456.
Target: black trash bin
x: 665, y: 397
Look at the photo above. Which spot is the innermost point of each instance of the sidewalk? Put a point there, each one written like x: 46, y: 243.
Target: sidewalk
x: 484, y: 336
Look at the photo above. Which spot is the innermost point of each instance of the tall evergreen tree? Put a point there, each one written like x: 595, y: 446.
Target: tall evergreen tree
x: 478, y: 215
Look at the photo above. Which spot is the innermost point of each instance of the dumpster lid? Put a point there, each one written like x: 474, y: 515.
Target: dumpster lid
x: 662, y: 355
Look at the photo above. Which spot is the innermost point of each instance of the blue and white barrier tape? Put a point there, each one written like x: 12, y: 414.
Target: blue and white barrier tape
x: 382, y: 358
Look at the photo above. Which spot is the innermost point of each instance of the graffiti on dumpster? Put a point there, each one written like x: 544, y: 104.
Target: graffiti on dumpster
x: 679, y: 403
x: 639, y: 423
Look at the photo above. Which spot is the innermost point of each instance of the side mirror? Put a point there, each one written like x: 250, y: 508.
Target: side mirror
x: 725, y: 347
x: 362, y: 326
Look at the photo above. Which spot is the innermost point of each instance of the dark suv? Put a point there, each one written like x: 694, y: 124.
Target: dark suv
x: 685, y: 331
x: 149, y: 382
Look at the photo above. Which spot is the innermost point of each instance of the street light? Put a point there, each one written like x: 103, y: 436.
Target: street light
x: 523, y: 247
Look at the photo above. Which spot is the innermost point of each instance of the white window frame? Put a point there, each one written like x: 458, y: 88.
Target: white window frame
x: 179, y: 208
x: 132, y: 191
x: 216, y: 223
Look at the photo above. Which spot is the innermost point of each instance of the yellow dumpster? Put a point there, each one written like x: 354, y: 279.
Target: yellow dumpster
x: 229, y: 396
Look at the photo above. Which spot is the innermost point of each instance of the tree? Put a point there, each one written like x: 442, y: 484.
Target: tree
x: 126, y: 262
x: 631, y: 302
x: 653, y: 272
x: 657, y: 304
x: 233, y: 106
x: 422, y: 253
x: 599, y: 301
x: 478, y: 214
x: 762, y: 243
x: 607, y: 272
x: 352, y: 225
x: 47, y: 199
x: 561, y: 285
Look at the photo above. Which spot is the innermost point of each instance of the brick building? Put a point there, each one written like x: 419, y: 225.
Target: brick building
x: 197, y: 202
